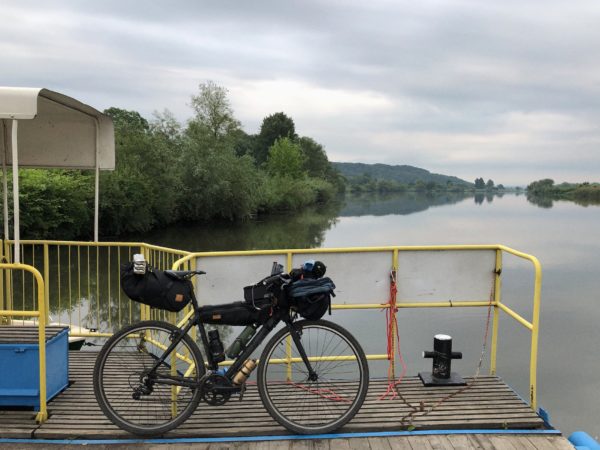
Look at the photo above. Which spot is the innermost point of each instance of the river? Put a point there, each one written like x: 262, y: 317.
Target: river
x: 563, y: 235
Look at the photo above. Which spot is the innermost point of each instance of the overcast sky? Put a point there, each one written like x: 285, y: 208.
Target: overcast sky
x: 507, y: 90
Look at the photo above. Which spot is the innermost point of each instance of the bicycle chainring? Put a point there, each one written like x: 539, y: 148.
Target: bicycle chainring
x: 211, y: 393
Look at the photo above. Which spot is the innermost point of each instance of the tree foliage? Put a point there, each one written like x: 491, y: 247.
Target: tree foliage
x: 55, y: 203
x: 286, y: 159
x: 213, y: 110
x: 275, y: 126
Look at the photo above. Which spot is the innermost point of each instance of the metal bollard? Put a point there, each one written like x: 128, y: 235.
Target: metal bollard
x: 442, y: 355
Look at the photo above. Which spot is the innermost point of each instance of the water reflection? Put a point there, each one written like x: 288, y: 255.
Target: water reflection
x: 401, y: 204
x: 543, y: 201
x: 305, y: 229
x: 547, y: 201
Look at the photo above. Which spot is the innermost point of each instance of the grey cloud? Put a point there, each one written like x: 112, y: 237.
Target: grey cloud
x: 450, y: 70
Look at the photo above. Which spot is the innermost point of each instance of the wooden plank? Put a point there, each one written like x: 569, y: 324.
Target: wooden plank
x: 399, y: 443
x: 544, y: 442
x: 379, y: 443
x: 481, y: 442
x: 275, y: 445
x: 420, y: 443
x: 438, y: 442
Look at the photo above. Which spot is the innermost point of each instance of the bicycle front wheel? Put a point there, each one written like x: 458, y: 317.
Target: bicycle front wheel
x: 325, y: 402
x: 137, y: 398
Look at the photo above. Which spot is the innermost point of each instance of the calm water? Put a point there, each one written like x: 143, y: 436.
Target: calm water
x: 564, y: 236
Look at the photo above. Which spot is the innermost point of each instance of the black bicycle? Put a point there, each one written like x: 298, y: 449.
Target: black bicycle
x: 312, y: 374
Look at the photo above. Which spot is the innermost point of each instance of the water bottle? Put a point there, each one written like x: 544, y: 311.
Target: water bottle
x: 245, y: 371
x: 240, y: 342
x: 215, y: 346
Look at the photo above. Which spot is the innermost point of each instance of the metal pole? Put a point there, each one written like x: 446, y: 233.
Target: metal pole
x: 496, y: 316
x: 97, y: 182
x: 5, y: 183
x: 15, y: 164
x: 96, y: 201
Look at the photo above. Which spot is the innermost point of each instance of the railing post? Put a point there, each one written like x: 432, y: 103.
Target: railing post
x: 42, y: 415
x: 497, y: 299
x: 7, y: 277
x: 537, y: 293
x: 393, y: 310
x: 144, y: 252
x: 288, y: 341
x: 193, y: 266
x: 47, y: 281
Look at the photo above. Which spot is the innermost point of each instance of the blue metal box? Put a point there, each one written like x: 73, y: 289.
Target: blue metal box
x: 20, y: 364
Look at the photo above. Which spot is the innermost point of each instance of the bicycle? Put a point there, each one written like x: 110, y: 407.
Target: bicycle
x: 312, y: 375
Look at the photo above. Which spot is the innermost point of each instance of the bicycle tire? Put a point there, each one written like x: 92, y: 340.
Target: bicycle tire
x: 326, y: 404
x: 120, y: 369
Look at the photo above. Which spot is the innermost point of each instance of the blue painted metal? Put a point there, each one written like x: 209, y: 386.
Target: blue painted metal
x: 583, y: 441
x: 272, y: 438
x: 20, y: 373
x: 545, y: 416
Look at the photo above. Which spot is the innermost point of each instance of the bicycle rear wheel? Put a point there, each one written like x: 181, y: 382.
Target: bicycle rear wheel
x: 323, y: 404
x: 132, y: 396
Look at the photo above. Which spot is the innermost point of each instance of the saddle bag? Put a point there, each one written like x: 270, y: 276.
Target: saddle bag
x: 311, y: 298
x: 236, y: 314
x: 156, y: 288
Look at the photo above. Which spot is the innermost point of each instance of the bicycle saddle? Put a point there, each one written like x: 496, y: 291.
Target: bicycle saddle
x: 183, y: 274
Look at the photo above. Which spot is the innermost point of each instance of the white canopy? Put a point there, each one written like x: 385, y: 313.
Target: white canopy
x: 42, y: 128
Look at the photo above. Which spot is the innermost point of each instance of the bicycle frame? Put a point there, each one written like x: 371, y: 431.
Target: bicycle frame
x: 263, y: 331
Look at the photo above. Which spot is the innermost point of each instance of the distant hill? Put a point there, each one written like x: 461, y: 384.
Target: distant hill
x: 401, y: 174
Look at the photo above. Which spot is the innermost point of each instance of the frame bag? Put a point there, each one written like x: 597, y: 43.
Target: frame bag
x: 156, y: 288
x: 236, y: 314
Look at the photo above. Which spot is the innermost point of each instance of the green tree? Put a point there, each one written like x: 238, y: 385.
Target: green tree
x: 217, y: 183
x: 479, y: 183
x: 286, y: 159
x: 56, y: 204
x: 489, y: 185
x: 142, y: 191
x: 541, y: 186
x: 213, y: 110
x: 124, y: 120
x: 273, y: 127
x: 315, y: 159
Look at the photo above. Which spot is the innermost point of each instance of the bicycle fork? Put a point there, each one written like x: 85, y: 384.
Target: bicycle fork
x: 312, y: 375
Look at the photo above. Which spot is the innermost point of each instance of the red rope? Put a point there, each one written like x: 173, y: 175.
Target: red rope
x: 392, y: 331
x: 327, y: 394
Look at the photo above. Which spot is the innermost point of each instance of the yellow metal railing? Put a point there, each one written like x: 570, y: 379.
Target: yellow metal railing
x: 395, y: 251
x: 82, y: 283
x: 40, y: 314
x: 82, y: 278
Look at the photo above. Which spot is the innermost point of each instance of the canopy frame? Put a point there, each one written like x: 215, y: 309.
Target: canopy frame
x: 56, y: 132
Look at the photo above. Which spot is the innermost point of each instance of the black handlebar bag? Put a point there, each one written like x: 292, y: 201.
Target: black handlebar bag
x: 311, y: 298
x: 156, y: 288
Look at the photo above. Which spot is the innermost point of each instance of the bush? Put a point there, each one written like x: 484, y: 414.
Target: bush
x: 56, y: 204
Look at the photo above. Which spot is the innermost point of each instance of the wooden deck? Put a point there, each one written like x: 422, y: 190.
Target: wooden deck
x: 489, y: 404
x: 75, y: 413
